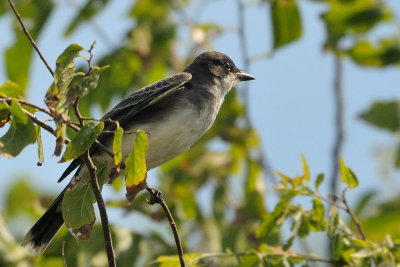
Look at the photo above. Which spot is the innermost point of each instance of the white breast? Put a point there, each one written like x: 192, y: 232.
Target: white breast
x: 173, y: 135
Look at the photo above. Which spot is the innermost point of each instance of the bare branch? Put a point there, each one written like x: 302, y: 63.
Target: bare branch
x: 339, y: 112
x: 30, y: 37
x: 353, y: 216
x: 156, y: 197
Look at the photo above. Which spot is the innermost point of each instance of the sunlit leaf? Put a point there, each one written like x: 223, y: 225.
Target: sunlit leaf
x: 8, y: 89
x: 286, y: 22
x: 83, y: 140
x: 20, y: 134
x: 191, y: 259
x: 306, y: 169
x: 386, y: 53
x: 319, y: 180
x: 117, y: 142
x: 347, y: 17
x: 347, y: 175
x: 135, y: 165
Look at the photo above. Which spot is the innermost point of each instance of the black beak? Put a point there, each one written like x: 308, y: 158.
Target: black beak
x: 243, y: 76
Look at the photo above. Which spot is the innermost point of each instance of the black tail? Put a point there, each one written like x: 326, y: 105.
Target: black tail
x: 44, y: 230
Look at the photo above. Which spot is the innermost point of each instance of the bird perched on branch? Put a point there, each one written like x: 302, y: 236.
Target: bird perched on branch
x: 175, y: 112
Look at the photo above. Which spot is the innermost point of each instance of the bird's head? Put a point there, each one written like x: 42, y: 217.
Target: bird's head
x: 218, y: 67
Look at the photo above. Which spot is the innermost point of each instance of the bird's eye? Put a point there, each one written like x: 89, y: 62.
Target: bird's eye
x: 227, y: 66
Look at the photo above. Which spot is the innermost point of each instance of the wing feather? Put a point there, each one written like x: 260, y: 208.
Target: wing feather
x: 132, y: 105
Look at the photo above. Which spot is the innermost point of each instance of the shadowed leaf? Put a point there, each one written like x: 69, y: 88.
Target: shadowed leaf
x: 286, y: 22
x: 83, y: 140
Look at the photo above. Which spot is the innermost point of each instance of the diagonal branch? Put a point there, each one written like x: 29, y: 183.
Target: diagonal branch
x: 30, y: 37
x: 339, y: 123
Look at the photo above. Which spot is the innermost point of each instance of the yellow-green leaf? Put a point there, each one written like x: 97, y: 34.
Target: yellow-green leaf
x: 135, y: 171
x: 306, y: 169
x: 347, y: 175
x: 286, y: 22
x: 118, y: 134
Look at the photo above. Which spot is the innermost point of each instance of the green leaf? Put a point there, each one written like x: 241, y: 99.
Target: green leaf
x: 8, y: 89
x: 350, y: 17
x: 318, y: 181
x: 333, y: 222
x: 385, y: 54
x: 117, y: 142
x: 82, y: 85
x: 288, y: 243
x: 22, y: 199
x: 135, y: 171
x: 83, y: 140
x: 306, y: 169
x: 337, y: 247
x: 385, y: 115
x: 20, y: 134
x: 318, y: 222
x: 347, y: 175
x: 286, y: 22
x: 191, y: 259
x: 67, y: 57
x: 77, y: 204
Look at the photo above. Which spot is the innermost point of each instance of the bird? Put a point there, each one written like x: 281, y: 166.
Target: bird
x: 174, y: 112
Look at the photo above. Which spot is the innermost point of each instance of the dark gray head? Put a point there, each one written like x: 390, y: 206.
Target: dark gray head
x: 219, y: 67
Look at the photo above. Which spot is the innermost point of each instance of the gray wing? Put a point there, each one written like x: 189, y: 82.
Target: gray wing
x: 132, y: 105
x: 147, y: 96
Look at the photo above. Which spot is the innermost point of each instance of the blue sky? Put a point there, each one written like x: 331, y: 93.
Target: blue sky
x: 291, y: 100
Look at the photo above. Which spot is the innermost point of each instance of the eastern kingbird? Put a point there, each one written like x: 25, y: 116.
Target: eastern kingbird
x: 174, y: 112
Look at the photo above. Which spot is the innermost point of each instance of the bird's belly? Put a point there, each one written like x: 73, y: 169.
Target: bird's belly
x: 170, y: 137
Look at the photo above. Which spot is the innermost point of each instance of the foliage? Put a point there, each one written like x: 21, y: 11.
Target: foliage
x: 231, y: 228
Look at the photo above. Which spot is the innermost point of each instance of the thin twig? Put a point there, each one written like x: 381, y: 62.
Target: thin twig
x: 77, y: 112
x: 102, y: 209
x: 24, y: 102
x: 44, y: 125
x: 353, y: 216
x: 156, y: 197
x: 339, y: 112
x: 30, y: 37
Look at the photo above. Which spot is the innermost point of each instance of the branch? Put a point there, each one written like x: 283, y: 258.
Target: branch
x: 99, y: 198
x: 156, y: 197
x: 44, y: 125
x: 30, y: 37
x: 338, y: 92
x: 102, y: 209
x: 353, y: 216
